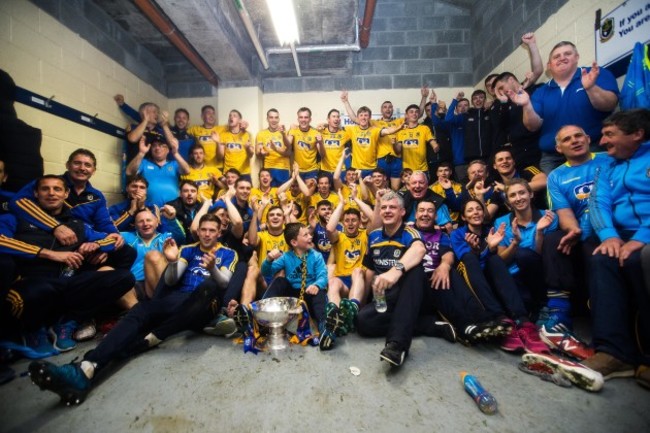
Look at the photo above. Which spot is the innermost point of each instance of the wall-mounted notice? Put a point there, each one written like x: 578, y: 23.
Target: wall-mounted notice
x: 618, y: 31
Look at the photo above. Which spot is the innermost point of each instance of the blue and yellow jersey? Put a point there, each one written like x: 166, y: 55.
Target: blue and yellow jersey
x: 304, y: 149
x: 203, y: 178
x: 349, y: 253
x: 203, y: 136
x: 364, y: 146
x: 235, y: 154
x: 384, y: 250
x: 269, y: 242
x: 385, y: 146
x: 333, y: 145
x: 273, y: 159
x: 194, y: 274
x: 414, y: 147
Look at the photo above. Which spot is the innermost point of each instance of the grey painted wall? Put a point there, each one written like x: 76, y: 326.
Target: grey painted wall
x: 497, y: 26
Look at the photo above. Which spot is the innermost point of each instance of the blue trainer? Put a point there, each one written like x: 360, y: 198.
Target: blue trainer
x: 68, y: 381
x: 62, y: 335
x: 35, y: 345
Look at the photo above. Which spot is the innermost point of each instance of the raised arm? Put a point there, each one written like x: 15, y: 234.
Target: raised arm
x: 134, y: 165
x: 536, y: 64
x: 348, y: 108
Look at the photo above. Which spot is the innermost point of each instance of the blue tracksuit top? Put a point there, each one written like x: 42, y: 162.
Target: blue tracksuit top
x: 291, y: 264
x: 619, y: 205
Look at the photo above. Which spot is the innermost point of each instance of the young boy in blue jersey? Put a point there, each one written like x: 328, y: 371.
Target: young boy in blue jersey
x: 305, y: 277
x: 188, y: 296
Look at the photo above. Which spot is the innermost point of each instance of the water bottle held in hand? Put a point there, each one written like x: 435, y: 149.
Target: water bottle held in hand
x: 379, y: 296
x: 484, y: 400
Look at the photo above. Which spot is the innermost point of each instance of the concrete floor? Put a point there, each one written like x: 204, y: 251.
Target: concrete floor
x: 202, y: 384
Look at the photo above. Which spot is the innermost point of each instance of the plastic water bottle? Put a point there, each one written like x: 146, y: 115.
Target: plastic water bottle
x: 67, y: 272
x: 484, y: 400
x: 380, y: 300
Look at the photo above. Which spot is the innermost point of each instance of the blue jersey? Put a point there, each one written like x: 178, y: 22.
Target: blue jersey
x: 385, y: 250
x: 461, y: 247
x: 163, y: 180
x: 570, y: 106
x: 195, y: 274
x: 620, y: 202
x: 142, y: 248
x: 527, y: 232
x: 569, y: 187
x: 322, y: 243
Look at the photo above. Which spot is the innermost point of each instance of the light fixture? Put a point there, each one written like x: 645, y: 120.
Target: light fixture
x: 284, y: 20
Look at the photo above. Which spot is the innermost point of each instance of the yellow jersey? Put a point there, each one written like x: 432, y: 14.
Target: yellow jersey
x: 273, y: 159
x: 302, y: 201
x: 316, y: 198
x: 385, y: 143
x: 346, y: 191
x: 333, y: 145
x: 414, y: 147
x: 203, y: 136
x: 257, y: 195
x: 349, y: 253
x: 268, y: 242
x: 304, y: 149
x: 203, y: 178
x: 364, y: 146
x: 235, y: 153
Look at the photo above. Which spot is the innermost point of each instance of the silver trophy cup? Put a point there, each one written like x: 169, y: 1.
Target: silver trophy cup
x: 275, y: 313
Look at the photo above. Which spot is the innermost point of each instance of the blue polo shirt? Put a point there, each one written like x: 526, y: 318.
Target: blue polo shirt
x: 570, y: 107
x: 163, y: 180
x: 527, y: 232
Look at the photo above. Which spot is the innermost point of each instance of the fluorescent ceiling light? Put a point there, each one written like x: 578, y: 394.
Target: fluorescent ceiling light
x: 284, y: 20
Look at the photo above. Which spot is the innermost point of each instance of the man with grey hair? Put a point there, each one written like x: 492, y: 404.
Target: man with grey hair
x: 582, y: 97
x: 393, y: 261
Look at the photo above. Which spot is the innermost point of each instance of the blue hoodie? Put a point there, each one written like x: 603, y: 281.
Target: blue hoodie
x: 291, y: 264
x: 619, y: 206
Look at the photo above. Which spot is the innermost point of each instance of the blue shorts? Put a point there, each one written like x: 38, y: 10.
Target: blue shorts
x: 278, y: 176
x: 309, y: 174
x: 393, y: 168
x: 347, y: 281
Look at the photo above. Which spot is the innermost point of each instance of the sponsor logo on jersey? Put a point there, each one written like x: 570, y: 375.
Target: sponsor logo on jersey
x: 583, y: 190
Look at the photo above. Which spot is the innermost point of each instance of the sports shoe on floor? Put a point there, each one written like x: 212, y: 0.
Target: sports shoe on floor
x: 221, y: 326
x: 529, y: 335
x: 61, y: 334
x: 578, y: 374
x: 393, y: 354
x: 546, y: 373
x: 243, y: 319
x: 566, y: 343
x: 608, y: 366
x: 477, y: 332
x: 350, y: 310
x: 642, y: 376
x: 68, y: 381
x: 512, y: 341
x: 333, y: 321
x: 443, y: 329
x: 86, y: 331
x: 35, y: 345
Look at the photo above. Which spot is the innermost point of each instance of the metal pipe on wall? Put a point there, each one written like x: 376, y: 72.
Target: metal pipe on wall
x: 368, y: 14
x: 171, y: 32
x: 248, y: 24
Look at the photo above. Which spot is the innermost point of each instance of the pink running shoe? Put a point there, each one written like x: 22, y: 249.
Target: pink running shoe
x: 512, y: 342
x: 529, y: 335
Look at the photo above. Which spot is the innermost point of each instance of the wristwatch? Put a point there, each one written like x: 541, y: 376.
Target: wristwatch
x: 399, y: 266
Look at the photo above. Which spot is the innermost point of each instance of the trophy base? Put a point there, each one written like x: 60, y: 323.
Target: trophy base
x: 277, y: 339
